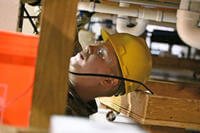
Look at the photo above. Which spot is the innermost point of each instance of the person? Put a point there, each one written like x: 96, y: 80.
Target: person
x: 91, y: 71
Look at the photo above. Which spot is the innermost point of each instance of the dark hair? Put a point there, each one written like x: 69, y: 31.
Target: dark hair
x: 120, y: 89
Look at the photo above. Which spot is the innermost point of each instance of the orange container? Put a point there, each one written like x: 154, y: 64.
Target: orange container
x: 17, y: 67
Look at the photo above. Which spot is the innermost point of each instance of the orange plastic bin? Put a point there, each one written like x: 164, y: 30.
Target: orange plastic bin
x: 17, y: 67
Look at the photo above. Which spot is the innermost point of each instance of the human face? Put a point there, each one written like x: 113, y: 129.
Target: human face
x: 100, y: 59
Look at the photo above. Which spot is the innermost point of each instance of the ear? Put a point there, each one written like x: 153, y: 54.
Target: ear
x: 109, y: 83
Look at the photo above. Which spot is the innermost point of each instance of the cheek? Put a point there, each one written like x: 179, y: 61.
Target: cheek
x: 87, y: 81
x: 95, y: 65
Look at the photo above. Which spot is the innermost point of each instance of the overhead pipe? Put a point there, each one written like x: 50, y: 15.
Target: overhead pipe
x: 142, y: 13
x: 187, y: 25
x: 96, y: 17
x: 152, y: 4
x: 109, y: 9
x: 137, y: 30
x: 121, y: 24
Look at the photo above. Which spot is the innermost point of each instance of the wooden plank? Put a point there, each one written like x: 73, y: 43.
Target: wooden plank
x: 175, y: 63
x: 133, y: 99
x: 159, y: 110
x: 151, y: 122
x: 127, y: 104
x: 55, y: 48
x: 161, y: 129
x: 175, y: 89
x: 12, y: 129
x: 148, y: 128
x: 133, y: 105
x: 173, y: 109
x: 184, y: 125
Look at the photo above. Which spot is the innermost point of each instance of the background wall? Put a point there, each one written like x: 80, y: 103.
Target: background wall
x: 9, y: 10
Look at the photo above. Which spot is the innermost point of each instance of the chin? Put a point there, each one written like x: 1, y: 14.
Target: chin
x: 72, y: 68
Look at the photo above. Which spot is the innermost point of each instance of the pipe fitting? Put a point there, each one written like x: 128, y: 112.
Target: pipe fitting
x: 121, y: 24
x: 137, y: 30
x: 187, y: 27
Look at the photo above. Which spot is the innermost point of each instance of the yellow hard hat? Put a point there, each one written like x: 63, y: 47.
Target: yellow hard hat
x: 133, y: 55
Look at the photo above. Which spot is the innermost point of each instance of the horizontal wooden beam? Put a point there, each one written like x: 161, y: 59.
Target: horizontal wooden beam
x: 171, y: 106
x: 176, y: 63
x: 175, y: 89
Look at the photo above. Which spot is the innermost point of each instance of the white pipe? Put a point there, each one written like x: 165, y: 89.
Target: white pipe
x: 191, y: 5
x: 187, y: 27
x: 152, y: 4
x: 143, y: 13
x: 100, y: 17
x: 121, y: 24
x: 96, y: 17
x: 102, y: 8
x: 184, y: 4
x: 187, y: 24
x: 137, y: 30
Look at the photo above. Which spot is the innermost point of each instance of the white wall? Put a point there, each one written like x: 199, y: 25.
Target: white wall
x: 9, y: 10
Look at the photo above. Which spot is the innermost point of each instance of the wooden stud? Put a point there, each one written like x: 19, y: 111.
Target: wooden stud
x: 55, y: 48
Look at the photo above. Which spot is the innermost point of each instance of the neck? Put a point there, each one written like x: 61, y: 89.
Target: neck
x: 83, y: 93
x: 86, y: 97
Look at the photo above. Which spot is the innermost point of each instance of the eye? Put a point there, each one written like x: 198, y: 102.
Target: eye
x: 102, y: 53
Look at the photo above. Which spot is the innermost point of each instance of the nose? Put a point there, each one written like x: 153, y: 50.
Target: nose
x: 91, y: 49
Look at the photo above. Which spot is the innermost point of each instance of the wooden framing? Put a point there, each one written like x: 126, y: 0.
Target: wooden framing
x: 175, y: 89
x: 163, y: 108
x: 173, y: 104
x: 176, y: 63
x: 55, y: 48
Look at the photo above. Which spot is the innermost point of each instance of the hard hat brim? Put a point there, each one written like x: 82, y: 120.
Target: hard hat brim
x: 105, y: 35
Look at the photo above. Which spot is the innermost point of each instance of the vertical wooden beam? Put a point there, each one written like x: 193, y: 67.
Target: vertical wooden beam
x: 55, y: 48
